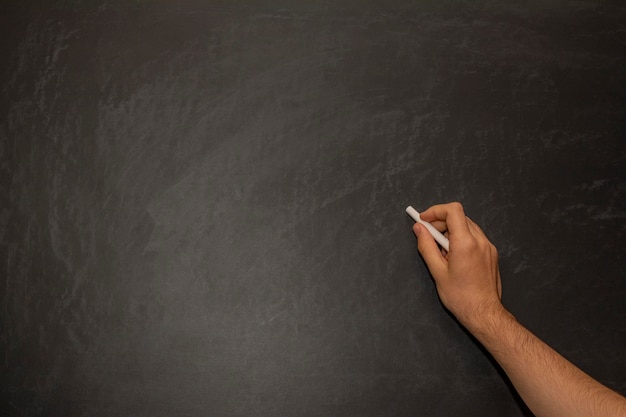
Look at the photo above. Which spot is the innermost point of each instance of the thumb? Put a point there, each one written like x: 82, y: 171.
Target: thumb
x: 429, y: 250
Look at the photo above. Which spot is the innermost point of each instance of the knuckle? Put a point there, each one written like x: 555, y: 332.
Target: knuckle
x: 468, y: 245
x: 455, y: 205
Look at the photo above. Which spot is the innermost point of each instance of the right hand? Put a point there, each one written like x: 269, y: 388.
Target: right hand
x: 467, y: 277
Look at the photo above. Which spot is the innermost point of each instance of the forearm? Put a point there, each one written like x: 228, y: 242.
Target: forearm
x: 550, y: 385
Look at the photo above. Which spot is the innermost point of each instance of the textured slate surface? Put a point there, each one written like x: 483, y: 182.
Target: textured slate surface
x: 203, y: 203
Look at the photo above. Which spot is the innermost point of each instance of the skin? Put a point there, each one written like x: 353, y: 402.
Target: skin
x: 469, y: 285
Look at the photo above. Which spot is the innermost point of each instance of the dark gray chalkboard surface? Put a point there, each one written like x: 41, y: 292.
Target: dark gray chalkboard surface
x: 202, y: 207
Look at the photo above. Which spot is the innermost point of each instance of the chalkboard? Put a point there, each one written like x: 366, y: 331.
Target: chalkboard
x: 203, y: 202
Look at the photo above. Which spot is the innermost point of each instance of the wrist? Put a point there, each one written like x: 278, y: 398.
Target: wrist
x: 487, y: 320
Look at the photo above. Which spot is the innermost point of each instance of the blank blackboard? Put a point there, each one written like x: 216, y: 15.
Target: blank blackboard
x: 203, y: 202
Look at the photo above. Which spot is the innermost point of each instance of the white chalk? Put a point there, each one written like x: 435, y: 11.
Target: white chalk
x: 441, y: 239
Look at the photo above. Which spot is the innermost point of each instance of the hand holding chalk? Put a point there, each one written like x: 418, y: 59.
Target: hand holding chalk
x: 441, y: 239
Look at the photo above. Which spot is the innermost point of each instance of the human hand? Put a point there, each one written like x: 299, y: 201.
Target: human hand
x: 467, y: 278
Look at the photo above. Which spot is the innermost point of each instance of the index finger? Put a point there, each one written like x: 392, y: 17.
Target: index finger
x: 452, y: 214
